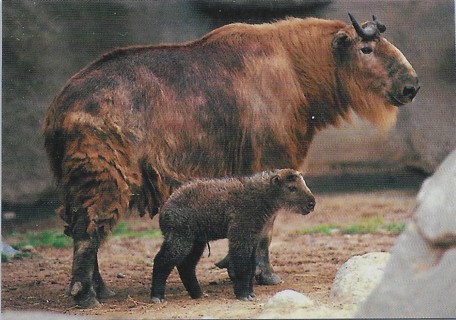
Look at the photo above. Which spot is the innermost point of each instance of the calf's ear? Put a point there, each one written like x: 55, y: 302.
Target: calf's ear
x: 275, y: 180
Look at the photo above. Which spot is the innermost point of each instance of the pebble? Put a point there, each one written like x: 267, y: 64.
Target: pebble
x: 29, y: 248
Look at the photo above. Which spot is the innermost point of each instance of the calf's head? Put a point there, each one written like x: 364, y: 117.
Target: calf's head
x: 374, y: 73
x: 293, y: 191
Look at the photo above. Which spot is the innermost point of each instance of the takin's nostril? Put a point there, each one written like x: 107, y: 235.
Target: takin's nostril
x: 410, y: 92
x: 311, y: 205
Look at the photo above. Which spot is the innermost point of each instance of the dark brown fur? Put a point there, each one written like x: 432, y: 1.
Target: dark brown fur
x: 235, y: 208
x: 139, y: 121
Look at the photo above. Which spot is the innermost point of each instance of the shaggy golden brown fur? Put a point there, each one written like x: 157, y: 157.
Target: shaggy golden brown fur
x: 136, y: 123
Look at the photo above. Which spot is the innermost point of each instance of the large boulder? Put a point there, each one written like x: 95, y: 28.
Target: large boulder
x: 420, y: 278
x: 357, y: 277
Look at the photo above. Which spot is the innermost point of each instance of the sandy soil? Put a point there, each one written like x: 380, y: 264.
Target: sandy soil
x: 307, y: 263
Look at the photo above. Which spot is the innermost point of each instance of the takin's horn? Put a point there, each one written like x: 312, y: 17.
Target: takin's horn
x: 381, y: 27
x: 370, y: 32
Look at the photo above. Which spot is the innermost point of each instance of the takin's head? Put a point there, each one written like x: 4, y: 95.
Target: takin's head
x: 293, y: 191
x: 374, y: 72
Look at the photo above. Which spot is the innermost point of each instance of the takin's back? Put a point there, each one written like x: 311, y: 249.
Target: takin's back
x: 230, y: 98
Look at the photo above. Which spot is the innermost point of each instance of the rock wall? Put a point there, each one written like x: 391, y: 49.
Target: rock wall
x: 420, y: 278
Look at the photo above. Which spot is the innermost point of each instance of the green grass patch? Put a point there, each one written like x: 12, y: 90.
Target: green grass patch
x: 123, y: 230
x: 373, y: 225
x: 364, y: 226
x: 5, y: 258
x: 323, y: 228
x: 48, y: 238
x: 54, y: 238
x: 395, y: 228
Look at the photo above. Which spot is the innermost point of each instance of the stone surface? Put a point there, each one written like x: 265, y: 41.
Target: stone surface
x: 353, y: 282
x: 8, y: 250
x: 436, y: 211
x: 420, y: 278
x: 289, y: 304
x: 289, y: 299
x: 357, y: 277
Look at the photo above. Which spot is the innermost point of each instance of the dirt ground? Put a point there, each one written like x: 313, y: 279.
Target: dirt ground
x: 307, y: 263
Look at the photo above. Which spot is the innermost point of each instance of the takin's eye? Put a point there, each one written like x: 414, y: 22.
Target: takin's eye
x: 292, y: 188
x: 366, y: 50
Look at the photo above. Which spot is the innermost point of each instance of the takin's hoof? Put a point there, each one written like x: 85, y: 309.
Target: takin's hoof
x: 104, y: 292
x: 88, y: 303
x: 223, y: 264
x: 268, y: 279
x: 83, y: 299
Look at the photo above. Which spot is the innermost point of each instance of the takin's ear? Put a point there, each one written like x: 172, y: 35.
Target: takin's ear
x: 275, y: 180
x: 342, y: 40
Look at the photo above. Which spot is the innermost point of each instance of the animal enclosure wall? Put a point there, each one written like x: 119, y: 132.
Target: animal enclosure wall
x: 45, y: 42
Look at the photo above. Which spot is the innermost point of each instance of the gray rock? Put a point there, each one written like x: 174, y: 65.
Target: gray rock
x: 436, y: 211
x: 357, y: 277
x: 289, y: 299
x: 8, y: 250
x: 419, y: 279
x: 289, y: 304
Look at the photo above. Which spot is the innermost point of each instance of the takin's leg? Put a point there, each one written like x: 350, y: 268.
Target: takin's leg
x: 85, y: 265
x: 102, y: 291
x: 187, y: 270
x: 173, y: 252
x: 96, y: 181
x: 265, y: 273
x: 242, y: 251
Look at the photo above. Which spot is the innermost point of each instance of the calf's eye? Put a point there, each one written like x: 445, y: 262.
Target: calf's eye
x: 366, y: 50
x: 292, y: 188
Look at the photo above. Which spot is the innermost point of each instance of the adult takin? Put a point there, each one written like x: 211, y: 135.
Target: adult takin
x: 136, y: 123
x: 233, y: 208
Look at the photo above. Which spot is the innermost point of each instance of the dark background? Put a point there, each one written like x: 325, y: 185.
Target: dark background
x: 46, y: 42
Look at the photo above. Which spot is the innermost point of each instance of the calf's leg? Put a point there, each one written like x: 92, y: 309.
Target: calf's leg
x: 173, y: 252
x: 242, y: 254
x: 187, y: 270
x: 265, y: 274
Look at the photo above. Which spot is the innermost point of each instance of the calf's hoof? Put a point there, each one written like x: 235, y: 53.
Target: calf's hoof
x: 196, y: 295
x: 251, y: 296
x: 157, y: 300
x: 268, y: 279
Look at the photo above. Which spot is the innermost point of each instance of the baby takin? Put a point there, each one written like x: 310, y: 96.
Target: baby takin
x: 237, y: 208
